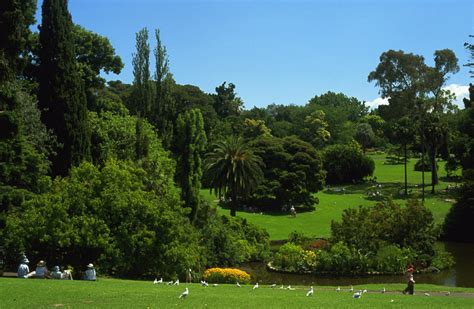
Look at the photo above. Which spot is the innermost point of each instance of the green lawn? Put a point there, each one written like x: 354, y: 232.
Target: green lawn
x: 317, y: 223
x: 114, y: 293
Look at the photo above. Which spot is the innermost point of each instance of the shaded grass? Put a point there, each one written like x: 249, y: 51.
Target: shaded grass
x: 108, y: 293
x: 331, y: 204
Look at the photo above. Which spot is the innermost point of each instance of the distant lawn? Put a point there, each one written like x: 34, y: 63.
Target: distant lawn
x: 331, y: 205
x: 114, y: 293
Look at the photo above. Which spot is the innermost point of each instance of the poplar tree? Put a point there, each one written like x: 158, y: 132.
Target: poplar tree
x: 142, y: 95
x: 191, y: 143
x: 61, y: 92
x: 164, y: 109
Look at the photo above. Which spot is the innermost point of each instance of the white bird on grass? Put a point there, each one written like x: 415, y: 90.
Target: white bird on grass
x: 255, y: 286
x: 427, y: 294
x: 273, y: 285
x: 215, y: 285
x: 364, y: 291
x: 170, y: 283
x: 338, y: 289
x: 351, y: 289
x: 204, y: 283
x: 184, y: 294
x: 383, y: 291
x: 158, y: 281
x: 176, y: 282
x: 448, y: 293
x: 310, y: 292
x: 282, y: 287
x: 238, y: 285
x: 357, y: 294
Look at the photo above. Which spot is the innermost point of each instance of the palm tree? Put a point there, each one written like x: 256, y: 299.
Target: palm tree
x: 232, y: 168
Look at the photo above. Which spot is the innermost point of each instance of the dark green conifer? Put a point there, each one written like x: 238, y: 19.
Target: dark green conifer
x: 61, y: 94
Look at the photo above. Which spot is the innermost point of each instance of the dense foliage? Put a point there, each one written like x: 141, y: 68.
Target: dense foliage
x: 346, y: 164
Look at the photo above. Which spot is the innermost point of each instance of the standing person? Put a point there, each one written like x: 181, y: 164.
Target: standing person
x: 41, y: 270
x: 293, y: 211
x: 189, y: 275
x: 23, y: 269
x: 410, y: 289
x: 90, y: 273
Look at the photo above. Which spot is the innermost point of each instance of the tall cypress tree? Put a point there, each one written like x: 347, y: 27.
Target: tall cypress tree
x: 61, y: 94
x: 191, y: 143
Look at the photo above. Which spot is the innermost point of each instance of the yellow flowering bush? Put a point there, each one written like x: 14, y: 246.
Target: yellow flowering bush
x: 226, y: 275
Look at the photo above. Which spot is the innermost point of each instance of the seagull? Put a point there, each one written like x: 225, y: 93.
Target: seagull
x: 238, y: 285
x: 215, y: 285
x: 204, y: 283
x: 176, y: 282
x: 351, y: 289
x: 357, y: 294
x: 338, y: 289
x: 156, y: 281
x: 448, y: 293
x: 310, y: 292
x: 184, y: 294
x: 255, y: 286
x: 282, y: 287
x: 391, y: 300
x: 170, y: 283
x: 383, y: 291
x: 273, y: 285
x: 427, y: 294
x: 288, y: 287
x: 364, y: 291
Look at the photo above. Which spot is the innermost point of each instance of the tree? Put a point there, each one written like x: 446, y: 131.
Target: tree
x: 403, y: 133
x: 226, y: 103
x: 365, y: 136
x: 142, y: 96
x: 470, y: 63
x: 164, y: 108
x: 317, y: 128
x: 399, y: 76
x: 61, y: 93
x: 191, y: 146
x: 292, y: 171
x: 233, y: 170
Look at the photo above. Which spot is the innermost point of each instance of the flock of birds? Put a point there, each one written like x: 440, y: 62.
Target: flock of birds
x: 310, y: 292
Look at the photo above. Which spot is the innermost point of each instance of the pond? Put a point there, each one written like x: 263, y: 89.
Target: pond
x: 461, y: 275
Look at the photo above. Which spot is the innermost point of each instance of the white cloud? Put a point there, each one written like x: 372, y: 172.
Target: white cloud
x: 376, y: 102
x: 460, y: 92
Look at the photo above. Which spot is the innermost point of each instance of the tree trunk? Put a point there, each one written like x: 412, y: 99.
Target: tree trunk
x: 423, y: 167
x: 233, y: 204
x: 405, y: 163
x: 434, y: 170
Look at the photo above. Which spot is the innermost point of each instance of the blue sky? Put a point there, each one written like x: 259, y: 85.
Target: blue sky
x: 282, y: 51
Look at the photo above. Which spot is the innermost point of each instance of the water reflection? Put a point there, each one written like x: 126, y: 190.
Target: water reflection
x: 462, y: 275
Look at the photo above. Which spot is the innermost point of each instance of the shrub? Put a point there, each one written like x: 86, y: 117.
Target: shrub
x: 226, y: 275
x: 289, y: 257
x: 392, y: 258
x: 346, y: 163
x: 442, y: 260
x: 343, y: 259
x: 419, y: 166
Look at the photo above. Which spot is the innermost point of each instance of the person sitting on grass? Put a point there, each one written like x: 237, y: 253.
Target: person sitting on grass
x: 23, y: 269
x: 90, y: 273
x: 41, y: 270
x: 56, y: 273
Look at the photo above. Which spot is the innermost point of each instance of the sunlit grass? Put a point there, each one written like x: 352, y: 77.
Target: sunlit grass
x: 318, y: 223
x: 114, y: 293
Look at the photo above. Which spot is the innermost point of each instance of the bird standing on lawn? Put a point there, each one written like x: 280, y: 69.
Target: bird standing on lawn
x: 310, y: 292
x: 176, y: 282
x: 357, y: 294
x: 255, y: 286
x: 184, y: 294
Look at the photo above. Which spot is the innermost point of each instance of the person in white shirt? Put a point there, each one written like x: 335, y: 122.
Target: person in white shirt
x: 90, y: 273
x: 23, y: 269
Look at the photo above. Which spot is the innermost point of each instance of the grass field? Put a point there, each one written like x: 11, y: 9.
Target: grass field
x: 331, y: 205
x: 114, y: 293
